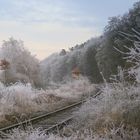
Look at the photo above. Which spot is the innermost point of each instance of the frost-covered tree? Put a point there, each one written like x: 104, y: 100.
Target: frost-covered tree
x: 63, y: 52
x: 114, y: 114
x: 108, y: 59
x: 23, y: 66
x: 59, y: 67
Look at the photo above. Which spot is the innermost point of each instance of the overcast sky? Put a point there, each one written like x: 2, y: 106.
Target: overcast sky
x: 47, y: 26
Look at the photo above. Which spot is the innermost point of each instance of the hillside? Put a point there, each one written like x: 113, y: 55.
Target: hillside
x: 110, y: 62
x: 97, y: 54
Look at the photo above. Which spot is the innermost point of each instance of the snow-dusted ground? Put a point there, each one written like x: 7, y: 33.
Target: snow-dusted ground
x: 85, y: 135
x: 114, y: 115
x: 20, y: 101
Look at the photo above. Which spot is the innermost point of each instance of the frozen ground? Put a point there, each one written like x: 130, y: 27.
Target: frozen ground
x: 20, y: 101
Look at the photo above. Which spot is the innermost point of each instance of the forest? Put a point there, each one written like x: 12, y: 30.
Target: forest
x: 110, y: 62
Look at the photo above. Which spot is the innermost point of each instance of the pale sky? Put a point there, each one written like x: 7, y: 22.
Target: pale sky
x: 47, y: 26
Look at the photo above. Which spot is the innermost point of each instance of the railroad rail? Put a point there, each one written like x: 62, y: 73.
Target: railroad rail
x: 36, y: 121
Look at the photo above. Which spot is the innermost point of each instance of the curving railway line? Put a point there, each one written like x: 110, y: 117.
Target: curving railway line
x: 49, y: 121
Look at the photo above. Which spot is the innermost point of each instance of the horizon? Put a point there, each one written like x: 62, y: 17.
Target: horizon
x: 48, y: 26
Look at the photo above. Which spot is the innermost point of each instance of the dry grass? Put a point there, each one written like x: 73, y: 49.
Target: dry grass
x: 20, y: 101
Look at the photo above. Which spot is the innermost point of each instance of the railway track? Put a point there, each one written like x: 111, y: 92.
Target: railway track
x: 49, y: 121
